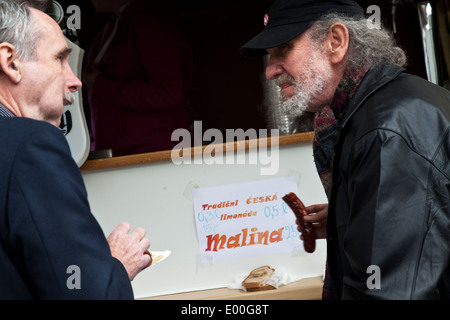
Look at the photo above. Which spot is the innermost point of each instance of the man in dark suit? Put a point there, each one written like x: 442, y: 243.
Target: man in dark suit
x: 51, y: 246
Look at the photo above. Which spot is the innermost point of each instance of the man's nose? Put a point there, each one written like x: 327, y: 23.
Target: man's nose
x: 73, y: 83
x: 274, y: 68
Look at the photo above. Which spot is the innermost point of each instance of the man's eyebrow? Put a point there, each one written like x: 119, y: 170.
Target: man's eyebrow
x: 64, y: 52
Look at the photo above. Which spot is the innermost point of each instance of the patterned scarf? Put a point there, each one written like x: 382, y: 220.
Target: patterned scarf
x: 327, y: 125
x: 326, y: 129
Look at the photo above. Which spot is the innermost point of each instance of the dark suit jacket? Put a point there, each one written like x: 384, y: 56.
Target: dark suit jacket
x: 50, y: 243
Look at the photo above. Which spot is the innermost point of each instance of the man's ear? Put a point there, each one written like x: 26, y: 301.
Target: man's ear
x: 9, y: 64
x: 337, y: 42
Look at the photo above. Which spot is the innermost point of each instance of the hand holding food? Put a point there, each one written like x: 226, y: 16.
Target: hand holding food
x: 130, y: 248
x: 306, y: 228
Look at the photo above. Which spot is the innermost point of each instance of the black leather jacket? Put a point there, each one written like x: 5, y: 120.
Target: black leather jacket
x: 388, y: 223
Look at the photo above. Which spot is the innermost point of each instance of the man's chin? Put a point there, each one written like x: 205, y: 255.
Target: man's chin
x: 293, y: 109
x: 56, y: 123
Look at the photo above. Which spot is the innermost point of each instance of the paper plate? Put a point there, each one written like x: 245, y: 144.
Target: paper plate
x: 158, y: 256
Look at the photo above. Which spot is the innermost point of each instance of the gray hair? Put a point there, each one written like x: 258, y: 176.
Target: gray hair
x: 42, y: 5
x: 17, y: 28
x: 367, y: 47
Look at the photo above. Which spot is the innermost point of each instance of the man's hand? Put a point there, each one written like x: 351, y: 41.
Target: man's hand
x: 130, y: 249
x: 318, y: 217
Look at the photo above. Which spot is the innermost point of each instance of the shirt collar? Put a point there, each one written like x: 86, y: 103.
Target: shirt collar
x: 4, y: 112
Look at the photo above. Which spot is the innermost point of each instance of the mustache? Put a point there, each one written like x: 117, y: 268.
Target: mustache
x: 284, y: 78
x: 69, y: 98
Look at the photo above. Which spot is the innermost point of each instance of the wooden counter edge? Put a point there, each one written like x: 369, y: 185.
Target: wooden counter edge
x: 165, y: 155
x: 304, y: 289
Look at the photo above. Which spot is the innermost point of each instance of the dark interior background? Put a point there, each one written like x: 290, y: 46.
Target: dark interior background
x: 227, y: 89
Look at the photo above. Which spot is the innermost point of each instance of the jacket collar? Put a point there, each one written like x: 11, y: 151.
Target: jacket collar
x: 374, y: 79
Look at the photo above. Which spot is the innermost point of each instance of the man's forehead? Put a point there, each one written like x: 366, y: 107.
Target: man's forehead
x: 50, y: 30
x: 44, y: 22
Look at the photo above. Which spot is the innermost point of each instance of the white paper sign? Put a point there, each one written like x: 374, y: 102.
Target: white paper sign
x: 247, y: 219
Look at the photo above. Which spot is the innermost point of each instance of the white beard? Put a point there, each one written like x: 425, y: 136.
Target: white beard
x: 309, y: 85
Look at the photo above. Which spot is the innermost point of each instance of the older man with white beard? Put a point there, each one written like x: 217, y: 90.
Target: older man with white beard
x: 381, y: 148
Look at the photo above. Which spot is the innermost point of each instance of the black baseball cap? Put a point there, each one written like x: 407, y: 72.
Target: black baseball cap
x: 287, y: 19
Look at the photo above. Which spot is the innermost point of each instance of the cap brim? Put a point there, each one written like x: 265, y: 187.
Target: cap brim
x: 272, y: 37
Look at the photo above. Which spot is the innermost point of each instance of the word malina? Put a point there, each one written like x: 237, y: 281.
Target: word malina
x: 218, y: 242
